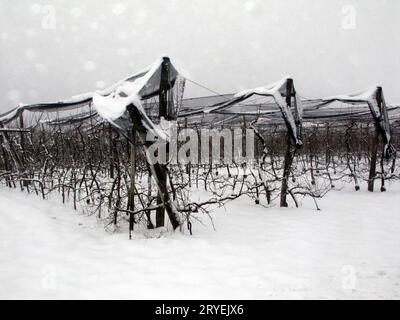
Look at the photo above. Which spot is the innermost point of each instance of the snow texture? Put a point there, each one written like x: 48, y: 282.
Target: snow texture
x: 349, y: 250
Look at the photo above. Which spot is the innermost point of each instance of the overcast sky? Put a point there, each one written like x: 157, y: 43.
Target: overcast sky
x: 54, y: 49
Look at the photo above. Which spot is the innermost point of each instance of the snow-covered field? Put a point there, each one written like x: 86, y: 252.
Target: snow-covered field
x: 349, y: 250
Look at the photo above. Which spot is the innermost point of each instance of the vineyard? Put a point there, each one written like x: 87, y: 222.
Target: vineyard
x: 95, y: 151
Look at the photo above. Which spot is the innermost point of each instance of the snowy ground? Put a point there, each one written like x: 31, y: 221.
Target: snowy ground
x: 349, y: 250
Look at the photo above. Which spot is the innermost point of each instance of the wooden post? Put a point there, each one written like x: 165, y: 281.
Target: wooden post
x: 161, y: 185
x: 11, y: 150
x: 286, y: 171
x: 374, y: 157
x: 383, y: 188
x: 5, y: 159
x: 289, y: 155
x: 375, y: 141
x: 149, y: 191
x: 156, y: 170
x: 111, y: 155
x: 131, y: 196
x: 188, y: 166
x: 163, y: 113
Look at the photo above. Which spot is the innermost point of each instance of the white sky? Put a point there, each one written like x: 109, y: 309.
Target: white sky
x: 227, y: 45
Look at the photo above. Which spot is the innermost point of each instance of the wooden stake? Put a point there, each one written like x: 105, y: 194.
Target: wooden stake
x: 131, y: 196
x: 286, y: 171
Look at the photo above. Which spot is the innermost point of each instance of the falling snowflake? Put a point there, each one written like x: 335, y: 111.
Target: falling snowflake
x: 36, y: 8
x: 4, y: 36
x: 76, y: 39
x: 30, y: 32
x: 255, y: 45
x: 30, y: 54
x: 100, y: 84
x: 249, y: 6
x: 14, y: 96
x: 118, y: 9
x: 123, y: 52
x: 19, y: 70
x: 94, y: 25
x: 172, y: 6
x: 40, y: 67
x: 89, y: 66
x: 141, y: 17
x: 123, y: 35
x: 76, y: 12
x: 222, y: 44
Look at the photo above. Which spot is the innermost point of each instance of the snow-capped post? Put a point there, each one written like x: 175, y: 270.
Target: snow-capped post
x: 163, y: 114
x: 291, y: 111
x: 286, y: 171
x: 388, y: 151
x: 26, y: 181
x: 9, y: 147
x: 111, y: 154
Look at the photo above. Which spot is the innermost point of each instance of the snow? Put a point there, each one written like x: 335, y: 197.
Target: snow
x: 349, y: 250
x: 272, y: 90
x: 280, y: 101
x: 112, y: 108
x: 269, y: 90
x: 111, y: 103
